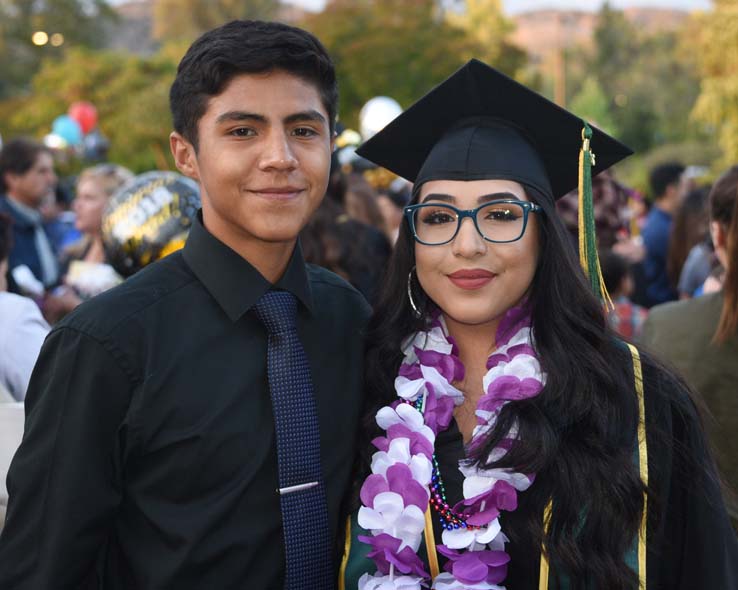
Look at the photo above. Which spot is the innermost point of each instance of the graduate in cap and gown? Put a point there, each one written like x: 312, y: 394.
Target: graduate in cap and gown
x: 511, y: 439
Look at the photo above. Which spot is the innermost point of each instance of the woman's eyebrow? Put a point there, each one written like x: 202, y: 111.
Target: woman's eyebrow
x: 439, y: 197
x: 497, y: 196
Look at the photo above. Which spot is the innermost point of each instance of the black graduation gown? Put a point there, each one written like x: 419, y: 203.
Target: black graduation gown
x: 692, y: 547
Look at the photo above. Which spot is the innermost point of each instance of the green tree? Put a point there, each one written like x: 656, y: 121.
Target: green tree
x: 650, y: 81
x: 715, y: 35
x: 130, y: 93
x: 79, y: 22
x: 384, y: 47
x: 188, y: 19
x: 592, y: 103
x: 485, y: 23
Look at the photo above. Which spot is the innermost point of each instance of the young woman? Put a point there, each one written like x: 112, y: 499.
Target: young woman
x: 85, y: 272
x: 516, y: 442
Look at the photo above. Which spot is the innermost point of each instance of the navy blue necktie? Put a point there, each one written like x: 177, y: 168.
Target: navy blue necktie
x: 301, y: 486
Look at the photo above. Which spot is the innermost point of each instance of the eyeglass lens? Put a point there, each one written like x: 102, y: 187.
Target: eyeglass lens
x: 498, y: 222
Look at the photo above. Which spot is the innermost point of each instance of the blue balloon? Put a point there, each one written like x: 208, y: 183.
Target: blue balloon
x: 66, y: 127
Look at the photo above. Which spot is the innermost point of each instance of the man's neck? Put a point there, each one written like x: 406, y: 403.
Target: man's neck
x: 18, y: 200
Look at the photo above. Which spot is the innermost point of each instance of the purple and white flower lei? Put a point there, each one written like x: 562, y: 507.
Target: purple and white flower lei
x: 396, y: 494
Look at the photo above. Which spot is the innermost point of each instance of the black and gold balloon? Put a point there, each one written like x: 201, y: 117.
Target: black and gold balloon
x: 148, y: 218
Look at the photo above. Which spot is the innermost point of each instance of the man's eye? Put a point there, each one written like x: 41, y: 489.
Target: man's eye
x: 242, y: 132
x: 304, y: 132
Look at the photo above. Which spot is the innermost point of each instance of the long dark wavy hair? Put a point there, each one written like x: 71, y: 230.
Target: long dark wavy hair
x: 577, y: 434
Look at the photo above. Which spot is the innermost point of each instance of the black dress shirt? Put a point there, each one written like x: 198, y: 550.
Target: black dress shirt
x: 149, y: 458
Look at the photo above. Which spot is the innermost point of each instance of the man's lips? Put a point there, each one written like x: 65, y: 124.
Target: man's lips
x: 280, y: 192
x: 471, y: 278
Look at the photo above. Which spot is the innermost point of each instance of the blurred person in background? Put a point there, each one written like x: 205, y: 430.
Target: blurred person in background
x: 26, y: 179
x: 665, y: 182
x: 344, y: 244
x: 22, y: 329
x: 700, y: 336
x: 626, y: 318
x: 84, y: 268
x: 610, y: 200
x: 360, y: 202
x: 391, y: 202
x: 689, y: 233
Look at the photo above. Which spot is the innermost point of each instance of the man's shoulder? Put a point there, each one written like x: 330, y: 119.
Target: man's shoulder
x: 687, y: 312
x: 151, y: 286
x: 328, y: 288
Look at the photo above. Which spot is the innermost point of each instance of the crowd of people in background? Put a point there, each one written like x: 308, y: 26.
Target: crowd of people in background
x: 679, y: 242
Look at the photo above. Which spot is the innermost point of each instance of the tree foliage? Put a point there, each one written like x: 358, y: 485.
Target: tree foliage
x: 384, y: 47
x: 130, y: 93
x: 187, y: 19
x: 79, y: 21
x: 715, y: 34
x: 484, y: 22
x: 650, y: 81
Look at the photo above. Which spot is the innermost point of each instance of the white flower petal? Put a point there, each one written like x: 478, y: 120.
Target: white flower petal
x: 487, y: 534
x: 381, y: 582
x: 370, y: 519
x: 409, y: 389
x: 422, y: 469
x: 460, y: 538
x: 390, y: 504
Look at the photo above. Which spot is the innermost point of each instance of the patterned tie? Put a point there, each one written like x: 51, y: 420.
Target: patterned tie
x: 301, y: 487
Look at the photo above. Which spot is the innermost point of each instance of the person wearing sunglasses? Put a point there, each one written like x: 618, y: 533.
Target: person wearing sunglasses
x: 511, y: 439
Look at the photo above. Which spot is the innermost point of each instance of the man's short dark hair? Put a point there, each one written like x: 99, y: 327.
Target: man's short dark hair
x: 18, y: 156
x: 664, y: 175
x: 247, y: 47
x: 6, y: 236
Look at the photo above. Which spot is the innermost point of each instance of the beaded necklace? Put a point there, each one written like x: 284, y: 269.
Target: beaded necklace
x: 406, y: 480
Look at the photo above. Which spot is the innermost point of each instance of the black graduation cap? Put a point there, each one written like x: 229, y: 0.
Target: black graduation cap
x: 480, y: 124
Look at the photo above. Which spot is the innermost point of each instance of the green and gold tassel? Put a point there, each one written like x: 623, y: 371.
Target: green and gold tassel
x: 587, y: 237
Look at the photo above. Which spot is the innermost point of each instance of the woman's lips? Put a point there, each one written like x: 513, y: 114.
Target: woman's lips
x: 471, y: 279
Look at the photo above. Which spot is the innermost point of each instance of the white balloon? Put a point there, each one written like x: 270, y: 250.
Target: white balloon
x: 376, y: 114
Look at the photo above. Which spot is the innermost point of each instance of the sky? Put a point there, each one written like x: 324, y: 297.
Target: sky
x: 515, y: 6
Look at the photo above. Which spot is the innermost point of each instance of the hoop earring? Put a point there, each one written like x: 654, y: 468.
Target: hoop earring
x: 416, y: 310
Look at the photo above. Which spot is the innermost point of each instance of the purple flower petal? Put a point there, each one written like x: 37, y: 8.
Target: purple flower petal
x: 400, y: 479
x: 418, y: 443
x: 438, y: 410
x: 514, y: 319
x: 373, y: 485
x: 385, y: 552
x: 411, y: 372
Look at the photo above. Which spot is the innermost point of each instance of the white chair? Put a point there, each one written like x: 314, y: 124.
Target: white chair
x: 12, y: 417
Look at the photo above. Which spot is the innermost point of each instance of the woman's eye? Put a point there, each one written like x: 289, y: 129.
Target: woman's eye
x: 437, y: 217
x: 502, y: 215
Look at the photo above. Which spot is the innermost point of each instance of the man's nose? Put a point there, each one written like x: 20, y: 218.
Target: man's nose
x: 278, y: 153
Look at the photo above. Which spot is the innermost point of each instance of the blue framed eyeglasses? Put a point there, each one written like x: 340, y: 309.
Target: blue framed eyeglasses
x: 501, y: 221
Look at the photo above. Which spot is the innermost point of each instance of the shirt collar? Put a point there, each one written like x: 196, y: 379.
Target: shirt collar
x: 26, y: 215
x: 234, y: 283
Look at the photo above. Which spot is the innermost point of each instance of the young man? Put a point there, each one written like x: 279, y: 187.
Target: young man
x: 665, y: 181
x: 178, y: 435
x: 26, y: 178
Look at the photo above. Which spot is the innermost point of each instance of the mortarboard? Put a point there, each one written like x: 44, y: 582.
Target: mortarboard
x: 481, y: 124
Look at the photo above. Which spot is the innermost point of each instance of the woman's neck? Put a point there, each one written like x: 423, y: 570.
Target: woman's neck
x: 475, y: 343
x: 96, y: 252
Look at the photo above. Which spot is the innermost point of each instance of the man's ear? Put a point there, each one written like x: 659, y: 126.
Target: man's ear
x: 184, y: 155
